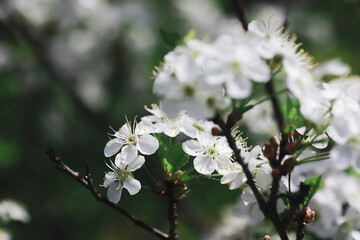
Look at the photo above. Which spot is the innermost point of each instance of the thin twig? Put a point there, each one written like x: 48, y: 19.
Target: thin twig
x: 240, y: 11
x: 231, y: 141
x: 269, y: 211
x: 275, y: 104
x: 87, y: 182
x: 295, y: 203
x: 172, y: 215
x: 171, y: 195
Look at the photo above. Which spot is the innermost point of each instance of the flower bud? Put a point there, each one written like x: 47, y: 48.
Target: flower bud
x: 216, y: 132
x: 308, y: 215
x: 266, y: 237
x: 167, y: 176
x: 288, y: 166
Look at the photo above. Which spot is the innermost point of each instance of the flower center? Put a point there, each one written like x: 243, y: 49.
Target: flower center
x: 211, y: 151
x: 132, y: 139
x: 235, y: 66
x: 189, y: 90
x: 122, y: 174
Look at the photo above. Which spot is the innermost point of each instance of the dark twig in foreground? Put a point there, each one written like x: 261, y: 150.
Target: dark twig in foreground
x: 275, y: 104
x: 172, y: 211
x: 88, y: 183
x: 240, y: 11
x: 268, y: 209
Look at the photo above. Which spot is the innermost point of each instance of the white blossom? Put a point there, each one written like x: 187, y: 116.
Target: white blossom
x: 131, y: 139
x: 11, y: 210
x: 121, y: 176
x: 211, y: 153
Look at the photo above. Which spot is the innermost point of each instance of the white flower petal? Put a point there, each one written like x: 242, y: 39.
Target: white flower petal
x: 192, y: 147
x: 147, y: 144
x: 132, y: 185
x: 256, y: 213
x: 263, y: 178
x: 204, y: 164
x: 238, y: 88
x: 135, y: 165
x: 110, y: 177
x: 112, y: 147
x: 114, y: 192
x: 237, y: 182
x: 343, y: 156
x: 228, y: 178
x: 128, y: 154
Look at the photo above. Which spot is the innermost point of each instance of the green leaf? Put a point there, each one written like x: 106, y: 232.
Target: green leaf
x: 171, y: 155
x: 294, y: 118
x: 315, y: 184
x: 177, y: 157
x: 190, y: 35
x: 352, y: 171
x: 171, y: 39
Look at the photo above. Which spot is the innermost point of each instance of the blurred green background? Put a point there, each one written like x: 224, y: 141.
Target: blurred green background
x: 69, y: 69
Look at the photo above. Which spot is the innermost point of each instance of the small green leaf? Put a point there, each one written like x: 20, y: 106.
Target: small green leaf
x: 294, y: 118
x: 171, y: 39
x: 171, y: 155
x: 352, y: 171
x: 190, y: 35
x: 177, y: 157
x: 315, y: 184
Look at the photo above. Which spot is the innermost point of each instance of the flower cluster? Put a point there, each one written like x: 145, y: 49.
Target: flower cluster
x: 129, y: 140
x: 201, y: 78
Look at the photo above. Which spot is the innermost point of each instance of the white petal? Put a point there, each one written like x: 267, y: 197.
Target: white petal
x: 135, y: 165
x: 263, y: 178
x: 204, y: 164
x: 112, y: 147
x: 228, y: 178
x: 110, y: 177
x: 132, y: 185
x: 248, y: 196
x: 128, y: 154
x: 237, y: 182
x: 238, y: 88
x: 256, y: 213
x: 147, y: 144
x: 258, y: 27
x: 192, y: 147
x: 172, y: 132
x: 144, y: 127
x: 114, y: 192
x: 165, y: 85
x: 343, y: 156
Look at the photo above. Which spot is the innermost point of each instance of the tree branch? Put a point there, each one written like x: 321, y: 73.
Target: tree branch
x: 275, y: 105
x: 268, y: 210
x: 87, y: 182
x: 172, y: 215
x: 250, y: 180
x: 295, y: 203
x: 240, y: 11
